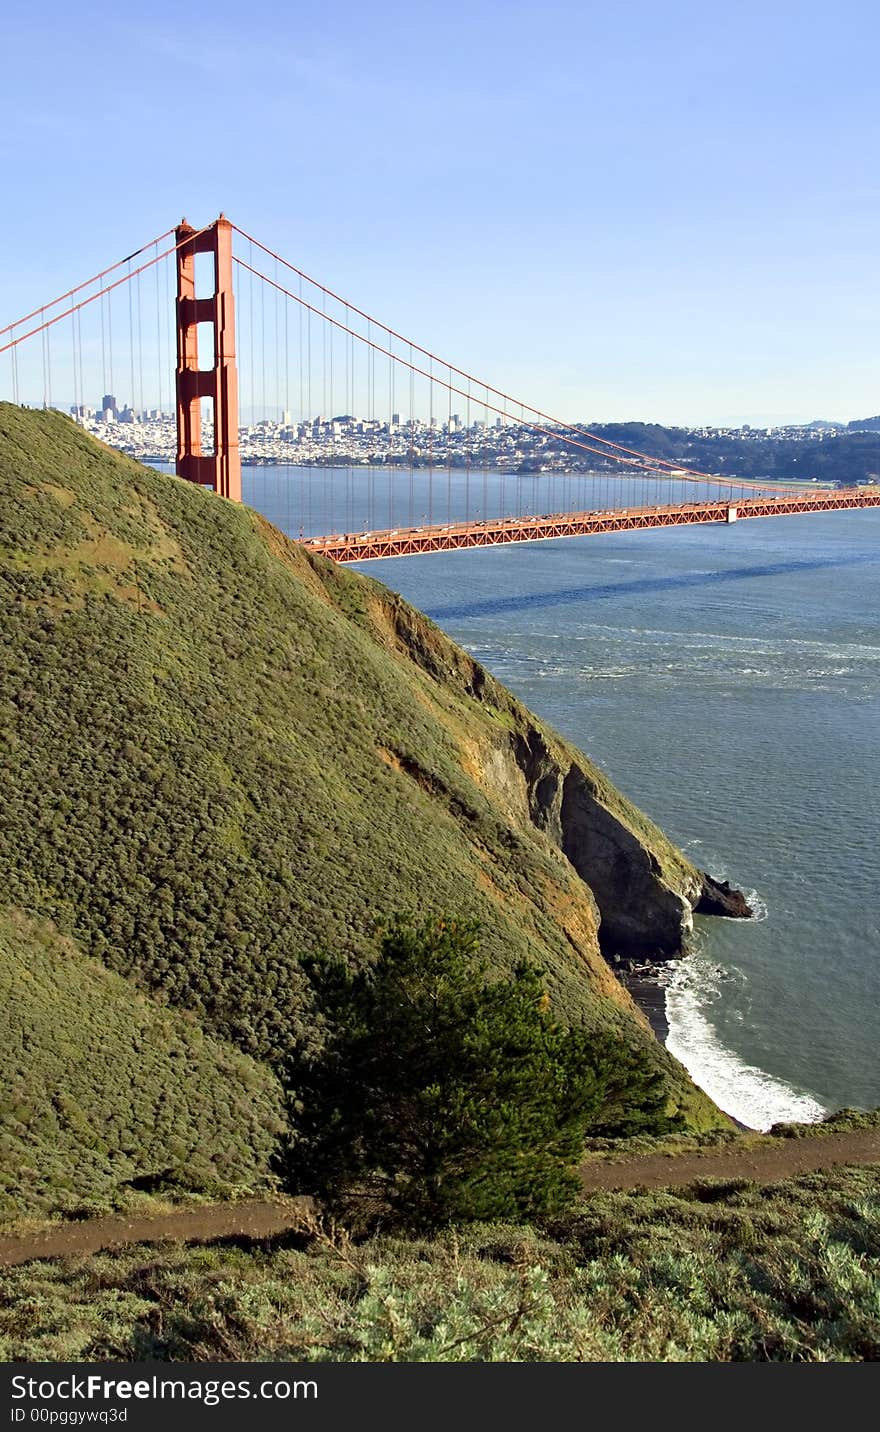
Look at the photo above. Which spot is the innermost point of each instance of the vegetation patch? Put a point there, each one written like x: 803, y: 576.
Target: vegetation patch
x: 787, y: 1273
x: 104, y: 1093
x: 443, y: 1094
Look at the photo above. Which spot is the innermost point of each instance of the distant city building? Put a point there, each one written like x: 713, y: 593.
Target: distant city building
x: 508, y: 445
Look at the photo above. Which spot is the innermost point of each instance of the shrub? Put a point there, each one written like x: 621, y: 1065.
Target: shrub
x: 451, y: 1095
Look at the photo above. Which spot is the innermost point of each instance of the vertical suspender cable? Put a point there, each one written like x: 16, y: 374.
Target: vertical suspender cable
x: 43, y: 356
x: 324, y: 361
x: 131, y: 400
x: 390, y: 433
x: 76, y: 410
x: 520, y: 495
x: 349, y: 476
x: 104, y: 388
x: 169, y: 355
x: 502, y: 496
x: 13, y: 354
x: 412, y: 438
x: 79, y: 348
x: 111, y: 390
x: 140, y: 351
x: 252, y: 386
x: 302, y: 412
x: 158, y: 337
x: 309, y: 408
x: 370, y: 414
x: 449, y: 448
x: 264, y: 409
x: 431, y: 444
x: 276, y: 404
x: 467, y: 457
x: 485, y: 458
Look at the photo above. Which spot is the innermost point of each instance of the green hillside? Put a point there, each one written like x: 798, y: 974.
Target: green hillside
x: 220, y: 754
x: 103, y: 1092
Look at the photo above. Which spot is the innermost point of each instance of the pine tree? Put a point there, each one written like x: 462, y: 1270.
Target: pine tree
x: 453, y: 1095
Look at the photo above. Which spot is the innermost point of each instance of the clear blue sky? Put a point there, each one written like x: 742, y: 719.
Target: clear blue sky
x: 665, y: 211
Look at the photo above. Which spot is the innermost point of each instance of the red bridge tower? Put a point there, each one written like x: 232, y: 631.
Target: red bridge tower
x: 222, y: 468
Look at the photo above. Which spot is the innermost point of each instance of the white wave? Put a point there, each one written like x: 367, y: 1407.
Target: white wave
x: 756, y: 1098
x: 757, y: 904
x: 711, y: 640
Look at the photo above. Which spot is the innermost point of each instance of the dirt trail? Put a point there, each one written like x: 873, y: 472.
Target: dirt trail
x: 761, y: 1163
x: 250, y: 1219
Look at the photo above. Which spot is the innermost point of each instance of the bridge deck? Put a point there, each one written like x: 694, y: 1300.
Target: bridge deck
x: 411, y: 541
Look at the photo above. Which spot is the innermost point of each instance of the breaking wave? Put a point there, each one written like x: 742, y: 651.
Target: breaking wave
x: 749, y: 1094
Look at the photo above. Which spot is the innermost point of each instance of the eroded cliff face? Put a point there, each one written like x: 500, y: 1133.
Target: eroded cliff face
x: 644, y: 911
x: 645, y: 890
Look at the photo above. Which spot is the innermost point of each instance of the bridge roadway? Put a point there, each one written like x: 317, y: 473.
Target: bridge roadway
x: 411, y: 541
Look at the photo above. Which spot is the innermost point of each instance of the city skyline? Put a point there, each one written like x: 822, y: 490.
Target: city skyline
x: 349, y: 440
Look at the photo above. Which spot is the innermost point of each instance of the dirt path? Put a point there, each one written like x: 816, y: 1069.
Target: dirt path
x: 761, y: 1163
x: 767, y: 1162
x: 190, y: 1225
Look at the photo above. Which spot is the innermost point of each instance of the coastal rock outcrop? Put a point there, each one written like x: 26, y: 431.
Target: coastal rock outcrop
x: 718, y: 897
x: 646, y: 892
x: 646, y: 905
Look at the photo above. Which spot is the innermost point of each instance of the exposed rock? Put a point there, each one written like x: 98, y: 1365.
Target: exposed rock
x: 645, y: 891
x: 646, y: 910
x: 544, y: 782
x: 717, y: 897
x: 641, y: 913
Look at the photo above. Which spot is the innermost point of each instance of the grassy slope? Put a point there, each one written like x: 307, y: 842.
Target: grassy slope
x: 717, y: 1273
x: 101, y: 1087
x: 219, y: 754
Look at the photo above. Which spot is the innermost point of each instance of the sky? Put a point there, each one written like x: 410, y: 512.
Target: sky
x: 666, y: 212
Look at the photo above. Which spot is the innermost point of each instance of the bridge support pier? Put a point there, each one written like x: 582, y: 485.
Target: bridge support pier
x: 220, y: 469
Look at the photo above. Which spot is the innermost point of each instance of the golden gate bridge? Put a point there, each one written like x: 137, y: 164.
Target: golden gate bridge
x: 298, y: 345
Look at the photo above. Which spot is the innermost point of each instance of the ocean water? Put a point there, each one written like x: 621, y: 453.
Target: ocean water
x: 728, y: 680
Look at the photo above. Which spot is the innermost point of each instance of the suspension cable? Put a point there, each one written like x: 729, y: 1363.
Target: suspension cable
x: 639, y: 461
x: 462, y: 373
x: 83, y: 303
x: 85, y: 284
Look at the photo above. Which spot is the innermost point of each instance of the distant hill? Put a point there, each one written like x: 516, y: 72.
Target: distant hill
x: 221, y: 754
x: 850, y: 458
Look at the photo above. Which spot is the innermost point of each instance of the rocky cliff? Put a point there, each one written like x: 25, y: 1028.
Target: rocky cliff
x: 646, y: 892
